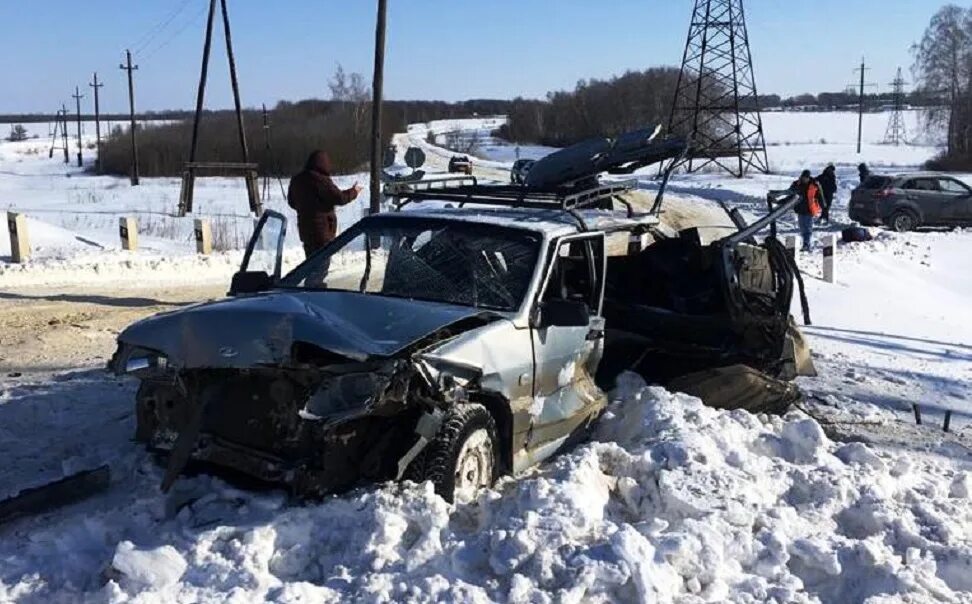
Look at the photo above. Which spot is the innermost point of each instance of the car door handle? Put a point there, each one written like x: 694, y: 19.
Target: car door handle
x: 595, y: 334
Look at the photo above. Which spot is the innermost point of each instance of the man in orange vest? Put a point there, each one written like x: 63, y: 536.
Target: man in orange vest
x: 809, y: 206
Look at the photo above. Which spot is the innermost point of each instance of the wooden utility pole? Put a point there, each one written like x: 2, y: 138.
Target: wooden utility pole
x: 203, y: 73
x: 233, y: 81
x: 64, y: 133
x: 249, y: 170
x: 55, y: 135
x: 265, y: 194
x: 77, y: 101
x: 131, y: 110
x: 376, y: 102
x: 97, y: 108
x: 860, y: 105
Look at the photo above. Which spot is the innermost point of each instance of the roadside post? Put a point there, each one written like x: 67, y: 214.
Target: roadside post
x: 204, y: 236
x: 829, y: 251
x: 19, y: 241
x: 128, y: 231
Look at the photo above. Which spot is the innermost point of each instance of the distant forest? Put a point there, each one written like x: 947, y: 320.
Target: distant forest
x: 341, y: 127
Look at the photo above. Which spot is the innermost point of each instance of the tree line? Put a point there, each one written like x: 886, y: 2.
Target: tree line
x: 341, y: 126
x: 594, y: 108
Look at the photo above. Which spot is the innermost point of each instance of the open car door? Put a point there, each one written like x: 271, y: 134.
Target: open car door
x: 567, y: 328
x: 263, y: 260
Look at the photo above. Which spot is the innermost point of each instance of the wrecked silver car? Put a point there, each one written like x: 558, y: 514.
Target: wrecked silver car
x: 450, y: 344
x: 434, y: 345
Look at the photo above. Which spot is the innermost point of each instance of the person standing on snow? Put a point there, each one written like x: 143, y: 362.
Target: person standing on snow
x: 828, y: 186
x: 863, y: 172
x: 314, y: 195
x: 808, y: 207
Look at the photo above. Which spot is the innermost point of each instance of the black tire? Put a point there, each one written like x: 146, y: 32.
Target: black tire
x: 439, y: 462
x: 903, y: 221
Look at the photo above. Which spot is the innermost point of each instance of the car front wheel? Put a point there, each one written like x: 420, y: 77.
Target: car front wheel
x: 462, y: 458
x: 903, y: 222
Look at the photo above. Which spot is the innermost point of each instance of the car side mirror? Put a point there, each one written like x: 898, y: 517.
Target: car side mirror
x: 250, y: 282
x: 562, y: 313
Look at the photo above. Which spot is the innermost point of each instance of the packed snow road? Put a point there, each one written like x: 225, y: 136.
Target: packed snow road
x: 45, y: 330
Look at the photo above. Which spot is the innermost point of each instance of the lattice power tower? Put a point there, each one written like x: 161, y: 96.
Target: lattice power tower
x: 715, y: 100
x: 896, y: 133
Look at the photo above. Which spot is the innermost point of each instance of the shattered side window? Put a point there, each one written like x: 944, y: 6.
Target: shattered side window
x: 456, y: 263
x: 574, y: 275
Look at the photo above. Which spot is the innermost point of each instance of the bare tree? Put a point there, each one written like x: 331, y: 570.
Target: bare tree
x: 943, y: 66
x: 17, y: 133
x: 354, y: 94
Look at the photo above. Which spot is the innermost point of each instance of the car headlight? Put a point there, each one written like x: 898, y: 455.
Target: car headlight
x: 341, y: 394
x: 141, y: 361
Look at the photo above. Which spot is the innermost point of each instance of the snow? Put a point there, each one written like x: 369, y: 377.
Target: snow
x: 795, y: 140
x: 73, y: 222
x: 843, y: 499
x: 672, y: 501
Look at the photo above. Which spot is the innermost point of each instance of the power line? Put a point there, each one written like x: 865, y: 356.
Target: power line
x: 146, y: 38
x: 175, y: 34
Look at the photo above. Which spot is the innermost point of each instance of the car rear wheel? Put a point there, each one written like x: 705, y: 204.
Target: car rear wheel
x: 903, y: 222
x: 462, y: 458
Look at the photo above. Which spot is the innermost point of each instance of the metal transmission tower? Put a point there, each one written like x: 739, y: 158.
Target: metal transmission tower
x: 896, y: 133
x: 715, y: 100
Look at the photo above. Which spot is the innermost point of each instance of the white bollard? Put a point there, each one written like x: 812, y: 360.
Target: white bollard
x: 829, y: 257
x: 128, y: 231
x: 204, y: 236
x: 19, y: 241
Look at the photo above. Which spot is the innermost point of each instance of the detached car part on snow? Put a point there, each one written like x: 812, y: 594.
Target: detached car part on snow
x: 453, y: 344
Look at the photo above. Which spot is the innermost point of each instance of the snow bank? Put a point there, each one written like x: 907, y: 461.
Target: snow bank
x: 673, y: 501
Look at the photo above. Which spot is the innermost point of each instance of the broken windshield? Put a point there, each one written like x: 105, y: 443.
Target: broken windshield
x: 437, y: 260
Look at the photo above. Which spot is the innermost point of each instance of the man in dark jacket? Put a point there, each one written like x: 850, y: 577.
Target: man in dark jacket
x: 863, y: 172
x: 314, y: 195
x: 828, y: 186
x: 810, y: 200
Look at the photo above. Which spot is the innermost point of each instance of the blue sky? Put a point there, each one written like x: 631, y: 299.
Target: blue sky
x: 437, y: 49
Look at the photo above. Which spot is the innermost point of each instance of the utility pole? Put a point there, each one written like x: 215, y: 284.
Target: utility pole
x: 55, y: 135
x: 265, y: 196
x: 376, y: 101
x: 77, y: 101
x: 96, y: 86
x: 860, y: 104
x: 234, y: 83
x: 131, y: 109
x: 64, y: 133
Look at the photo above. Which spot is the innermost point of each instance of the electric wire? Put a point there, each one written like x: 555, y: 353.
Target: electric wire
x: 150, y: 35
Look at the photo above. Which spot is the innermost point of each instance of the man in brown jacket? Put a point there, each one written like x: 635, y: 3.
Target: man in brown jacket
x: 314, y: 195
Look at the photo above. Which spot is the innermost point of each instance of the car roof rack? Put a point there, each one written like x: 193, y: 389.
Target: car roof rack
x: 467, y: 190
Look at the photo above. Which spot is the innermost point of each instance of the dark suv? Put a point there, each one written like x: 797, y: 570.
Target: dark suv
x: 909, y: 201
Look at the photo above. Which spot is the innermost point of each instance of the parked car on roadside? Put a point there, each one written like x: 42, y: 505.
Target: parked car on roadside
x: 908, y: 201
x: 518, y: 172
x: 460, y: 164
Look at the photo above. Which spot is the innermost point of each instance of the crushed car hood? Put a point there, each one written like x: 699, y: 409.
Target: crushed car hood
x: 261, y: 329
